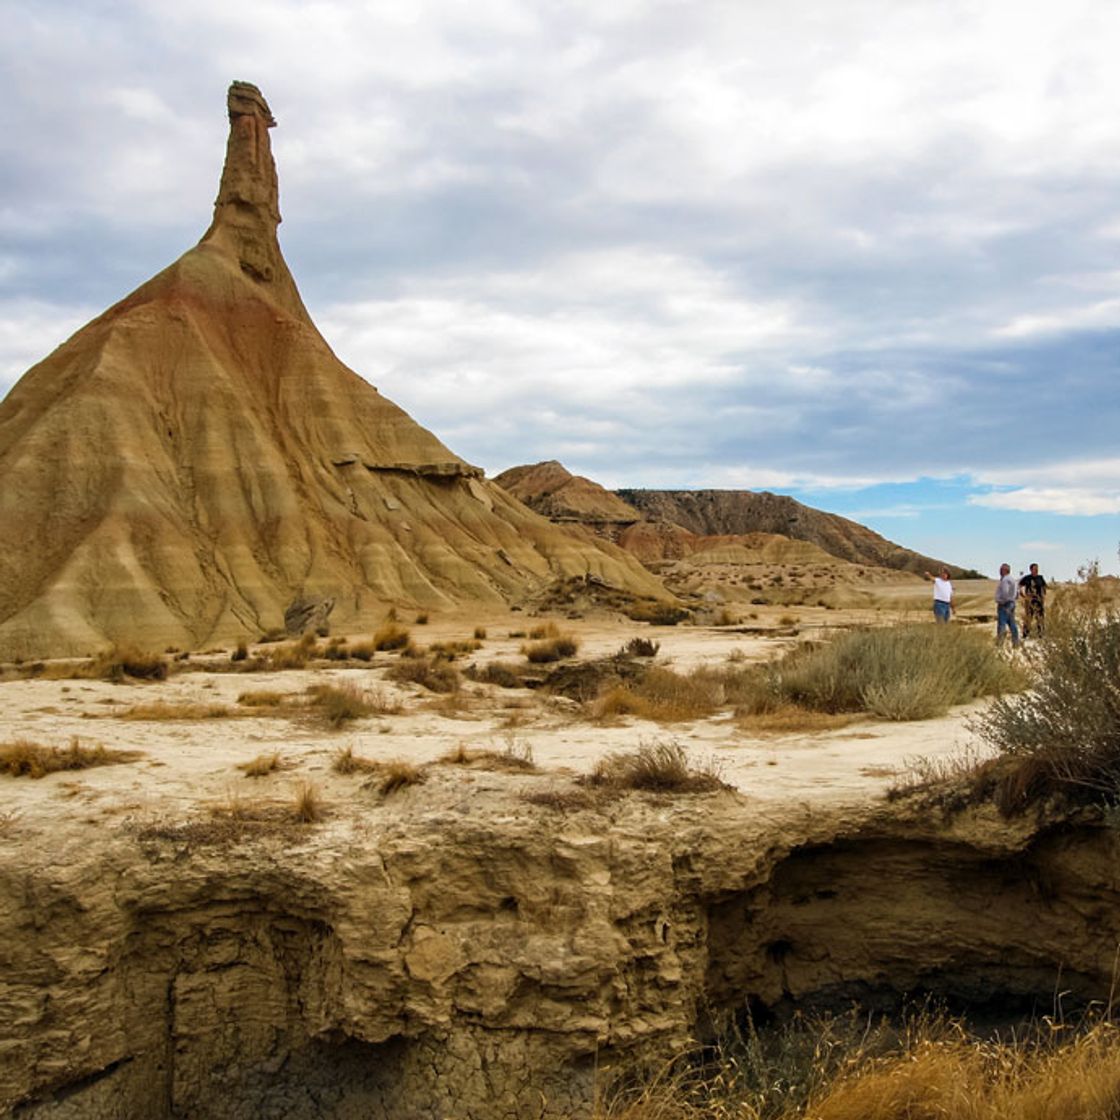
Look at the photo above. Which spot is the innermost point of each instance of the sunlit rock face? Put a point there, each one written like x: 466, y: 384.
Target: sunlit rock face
x: 196, y: 458
x: 445, y: 954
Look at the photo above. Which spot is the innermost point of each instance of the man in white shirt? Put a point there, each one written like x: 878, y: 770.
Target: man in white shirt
x: 1007, y: 593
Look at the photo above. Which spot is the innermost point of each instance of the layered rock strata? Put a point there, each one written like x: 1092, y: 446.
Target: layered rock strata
x: 455, y: 952
x: 196, y: 458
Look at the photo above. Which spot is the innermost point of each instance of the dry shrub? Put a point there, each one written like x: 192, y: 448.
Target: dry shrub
x: 434, y: 675
x: 308, y: 806
x: 345, y: 761
x: 421, y: 619
x: 554, y: 648
x: 662, y: 766
x: 119, y: 663
x: 542, y: 631
x: 397, y: 774
x: 163, y: 711
x: 788, y: 718
x: 292, y: 655
x: 662, y: 695
x: 451, y: 649
x: 517, y: 757
x: 854, y: 1068
x: 361, y: 651
x: 263, y: 764
x: 22, y: 757
x: 241, y: 653
x: 339, y: 704
x: 640, y: 647
x: 390, y: 635
x: 656, y: 612
x: 502, y: 673
x: 264, y: 698
x: 1064, y: 734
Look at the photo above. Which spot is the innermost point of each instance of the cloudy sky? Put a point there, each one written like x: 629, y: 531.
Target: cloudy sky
x: 865, y: 252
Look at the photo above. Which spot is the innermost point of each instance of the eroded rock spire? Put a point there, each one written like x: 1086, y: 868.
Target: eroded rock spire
x: 247, y: 209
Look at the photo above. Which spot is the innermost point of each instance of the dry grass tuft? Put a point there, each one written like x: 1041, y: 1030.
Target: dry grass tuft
x: 434, y: 675
x: 553, y: 648
x: 308, y: 806
x: 339, y: 704
x: 22, y: 757
x: 390, y: 635
x: 517, y: 757
x: 161, y: 711
x: 502, y: 673
x: 396, y: 775
x: 263, y: 764
x: 345, y: 761
x: 657, y: 767
x: 265, y: 698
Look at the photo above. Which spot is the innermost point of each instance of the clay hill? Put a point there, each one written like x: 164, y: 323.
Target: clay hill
x: 196, y: 458
x: 673, y: 524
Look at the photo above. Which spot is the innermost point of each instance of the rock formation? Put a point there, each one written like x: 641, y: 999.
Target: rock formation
x: 672, y: 524
x: 461, y: 953
x: 196, y: 458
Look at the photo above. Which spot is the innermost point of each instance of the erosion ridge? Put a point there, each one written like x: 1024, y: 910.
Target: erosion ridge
x: 463, y: 952
x: 673, y: 524
x: 196, y: 458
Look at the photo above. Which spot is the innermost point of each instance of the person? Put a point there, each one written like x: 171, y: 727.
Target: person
x: 1007, y: 592
x: 942, y: 595
x: 1032, y: 589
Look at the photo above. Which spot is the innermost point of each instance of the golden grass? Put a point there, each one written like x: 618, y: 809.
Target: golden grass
x: 937, y: 1072
x: 339, y: 704
x: 517, y: 757
x: 264, y: 698
x: 308, y: 806
x: 24, y: 758
x: 161, y: 711
x: 434, y: 675
x: 398, y: 774
x: 789, y: 718
x: 552, y: 648
x: 345, y: 761
x: 263, y: 764
x: 390, y: 635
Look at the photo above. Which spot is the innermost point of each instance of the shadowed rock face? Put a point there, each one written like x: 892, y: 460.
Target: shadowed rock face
x: 426, y: 962
x: 196, y: 458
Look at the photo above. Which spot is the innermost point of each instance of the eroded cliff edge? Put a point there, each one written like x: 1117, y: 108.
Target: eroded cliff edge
x: 455, y: 950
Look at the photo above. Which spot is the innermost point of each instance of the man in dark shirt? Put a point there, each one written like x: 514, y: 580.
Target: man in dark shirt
x: 1032, y: 588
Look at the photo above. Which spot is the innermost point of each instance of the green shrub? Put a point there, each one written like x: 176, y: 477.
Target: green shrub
x: 915, y: 671
x: 1065, y: 733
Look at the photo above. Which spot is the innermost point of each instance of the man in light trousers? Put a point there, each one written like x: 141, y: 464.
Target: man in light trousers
x: 1007, y: 592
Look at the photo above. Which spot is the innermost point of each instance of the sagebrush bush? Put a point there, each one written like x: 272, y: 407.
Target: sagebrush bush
x: 1065, y: 732
x: 340, y: 704
x: 914, y: 671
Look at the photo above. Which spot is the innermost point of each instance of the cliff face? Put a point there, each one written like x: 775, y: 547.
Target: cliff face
x: 724, y: 512
x: 445, y: 953
x: 196, y: 458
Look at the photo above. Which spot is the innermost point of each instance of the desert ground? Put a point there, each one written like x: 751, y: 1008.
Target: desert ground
x: 190, y: 749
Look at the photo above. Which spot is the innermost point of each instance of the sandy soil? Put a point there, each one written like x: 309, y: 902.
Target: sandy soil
x: 188, y: 766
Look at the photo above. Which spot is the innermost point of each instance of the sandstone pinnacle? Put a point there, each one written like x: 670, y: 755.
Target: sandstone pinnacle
x: 196, y: 459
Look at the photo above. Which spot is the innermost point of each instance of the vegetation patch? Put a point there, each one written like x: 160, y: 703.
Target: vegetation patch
x: 656, y: 767
x: 164, y: 711
x: 517, y: 758
x: 429, y: 673
x: 263, y: 764
x: 24, y: 758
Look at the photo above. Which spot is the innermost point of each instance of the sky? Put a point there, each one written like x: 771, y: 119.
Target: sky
x: 863, y: 252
